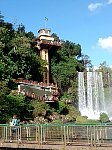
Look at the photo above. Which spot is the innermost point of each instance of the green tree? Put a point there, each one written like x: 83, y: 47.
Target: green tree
x: 56, y: 38
x: 64, y: 65
x: 40, y: 108
x: 106, y: 73
x: 3, y: 103
x: 86, y: 62
x: 11, y: 104
x: 17, y: 54
x: 104, y: 117
x: 19, y: 59
x: 63, y: 107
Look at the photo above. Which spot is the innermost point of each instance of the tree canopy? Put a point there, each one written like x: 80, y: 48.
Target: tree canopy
x: 19, y: 59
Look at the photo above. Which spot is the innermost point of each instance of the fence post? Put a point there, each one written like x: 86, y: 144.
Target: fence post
x: 64, y: 136
x: 5, y: 132
x: 38, y: 134
x: 67, y: 134
x: 20, y: 134
x: 41, y: 134
x: 94, y: 135
x: 88, y: 134
x: 91, y: 136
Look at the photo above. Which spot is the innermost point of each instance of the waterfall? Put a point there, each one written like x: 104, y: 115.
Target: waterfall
x: 91, y: 94
x: 81, y: 91
x: 108, y: 95
x: 101, y: 93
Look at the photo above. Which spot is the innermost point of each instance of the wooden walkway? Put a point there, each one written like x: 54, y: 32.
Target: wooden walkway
x: 54, y: 146
x: 57, y: 137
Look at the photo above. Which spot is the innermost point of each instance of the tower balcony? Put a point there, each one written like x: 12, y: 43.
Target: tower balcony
x: 43, y: 42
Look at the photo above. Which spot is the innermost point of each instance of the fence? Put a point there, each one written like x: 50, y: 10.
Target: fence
x: 55, y: 134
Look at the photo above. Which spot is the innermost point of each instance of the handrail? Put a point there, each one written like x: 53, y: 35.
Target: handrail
x: 63, y: 134
x: 66, y: 124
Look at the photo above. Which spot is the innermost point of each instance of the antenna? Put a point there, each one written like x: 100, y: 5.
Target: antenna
x: 46, y: 19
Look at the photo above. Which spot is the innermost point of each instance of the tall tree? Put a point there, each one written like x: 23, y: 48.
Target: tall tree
x: 18, y: 58
x: 65, y: 66
x: 3, y: 103
x: 86, y: 62
x: 107, y: 74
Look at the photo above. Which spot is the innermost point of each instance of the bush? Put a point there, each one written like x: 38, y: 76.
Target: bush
x: 104, y: 117
x: 40, y: 108
x: 92, y: 121
x: 81, y: 119
x: 63, y: 107
x: 57, y: 121
x: 73, y: 112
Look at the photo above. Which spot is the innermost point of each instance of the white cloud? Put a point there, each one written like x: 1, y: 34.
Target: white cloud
x: 109, y: 2
x: 94, y: 6
x: 105, y: 43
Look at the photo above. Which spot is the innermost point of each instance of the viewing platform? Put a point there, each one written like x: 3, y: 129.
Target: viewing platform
x: 45, y: 39
x: 47, y: 92
x: 46, y: 42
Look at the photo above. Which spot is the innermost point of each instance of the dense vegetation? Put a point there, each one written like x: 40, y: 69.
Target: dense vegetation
x: 19, y: 59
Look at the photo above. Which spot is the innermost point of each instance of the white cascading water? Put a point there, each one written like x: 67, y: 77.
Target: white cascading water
x: 81, y: 91
x: 91, y: 94
x: 108, y: 95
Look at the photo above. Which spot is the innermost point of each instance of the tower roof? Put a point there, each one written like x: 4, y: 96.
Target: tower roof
x: 44, y: 38
x: 44, y: 32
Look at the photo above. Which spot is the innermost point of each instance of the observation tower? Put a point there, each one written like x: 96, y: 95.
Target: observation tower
x: 46, y: 45
x: 45, y: 90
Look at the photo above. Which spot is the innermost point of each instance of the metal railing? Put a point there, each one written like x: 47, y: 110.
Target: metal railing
x: 71, y: 134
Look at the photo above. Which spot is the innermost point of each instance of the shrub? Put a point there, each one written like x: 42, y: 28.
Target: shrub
x: 81, y: 119
x: 104, y: 117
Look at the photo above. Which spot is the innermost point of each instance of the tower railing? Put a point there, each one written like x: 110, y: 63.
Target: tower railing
x: 49, y: 42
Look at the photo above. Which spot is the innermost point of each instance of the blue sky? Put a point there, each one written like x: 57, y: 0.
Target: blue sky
x: 87, y: 22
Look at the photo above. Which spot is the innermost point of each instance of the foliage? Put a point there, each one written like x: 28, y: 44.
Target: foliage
x: 57, y: 121
x: 92, y: 121
x: 4, y: 90
x: 107, y: 73
x: 86, y: 62
x: 40, y: 108
x: 73, y: 112
x: 63, y: 108
x: 56, y: 38
x: 85, y: 120
x: 19, y: 59
x: 70, y: 49
x: 104, y: 117
x: 14, y: 104
x: 17, y: 55
x: 81, y: 119
x: 68, y: 119
x: 64, y: 65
